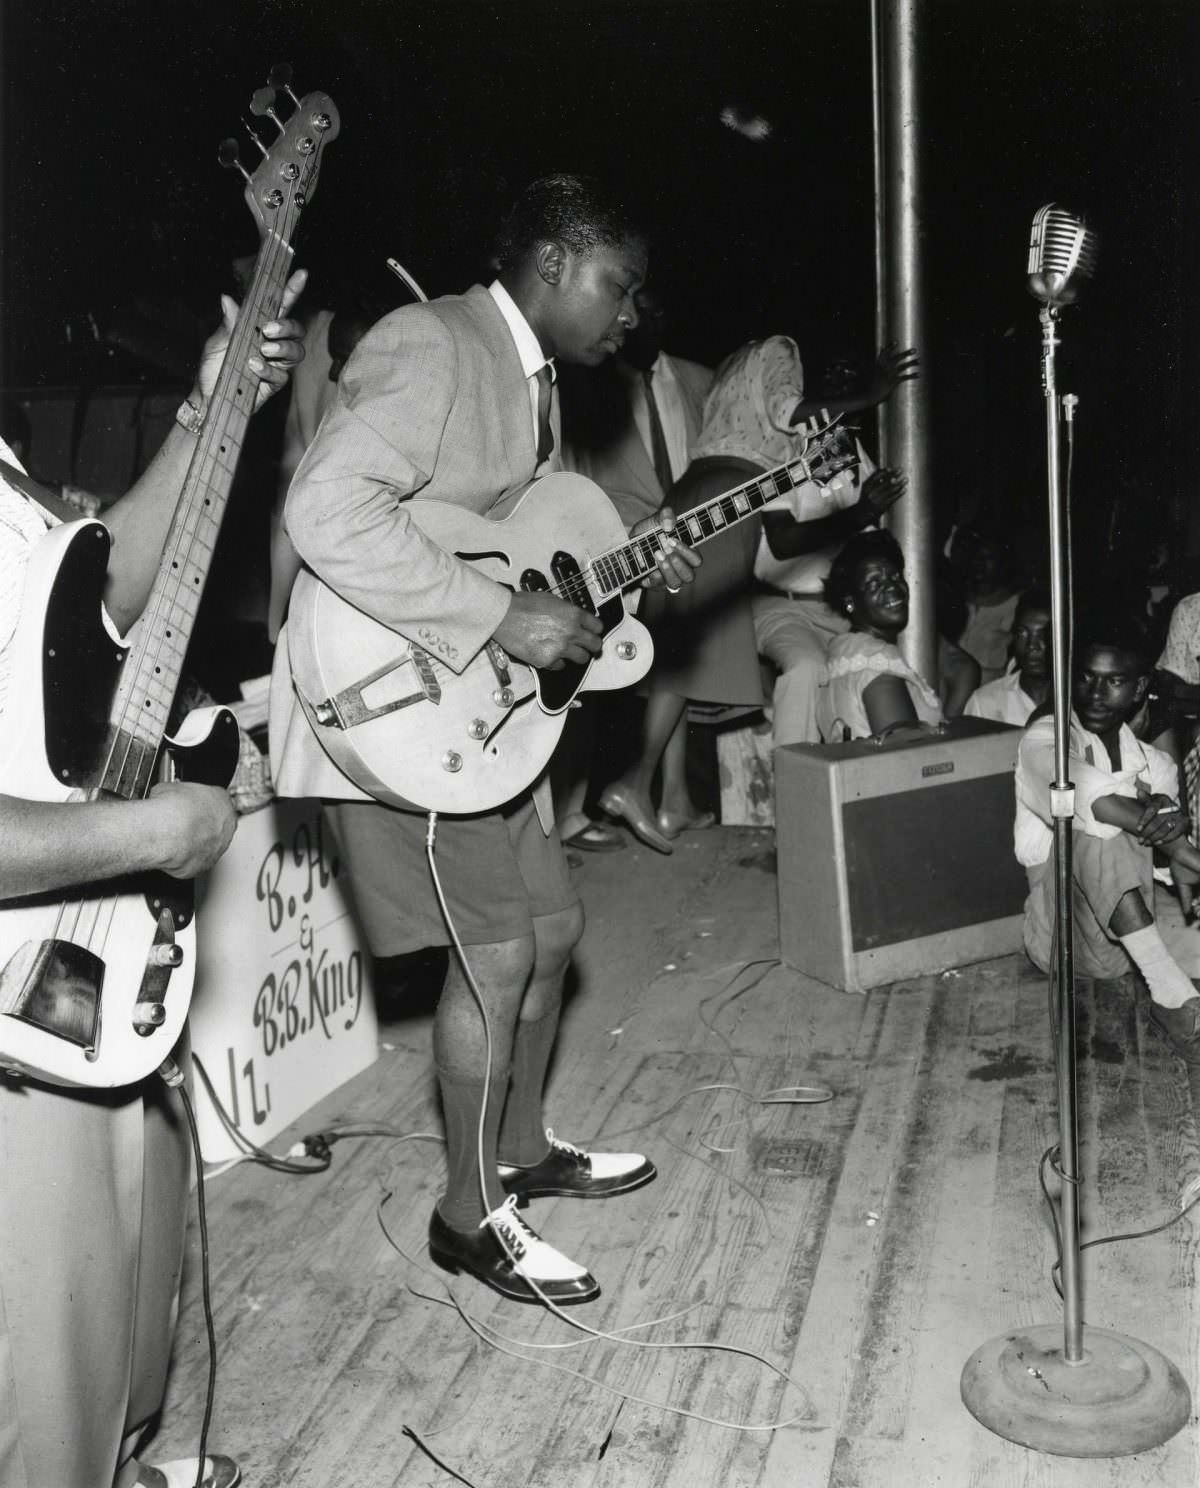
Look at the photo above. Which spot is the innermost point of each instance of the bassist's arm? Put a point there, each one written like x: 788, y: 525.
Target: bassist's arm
x: 139, y: 520
x: 180, y: 829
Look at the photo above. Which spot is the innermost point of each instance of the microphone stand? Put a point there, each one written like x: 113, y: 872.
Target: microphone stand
x: 1071, y: 1392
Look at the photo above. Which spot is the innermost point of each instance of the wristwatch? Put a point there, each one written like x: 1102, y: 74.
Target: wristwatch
x: 189, y: 417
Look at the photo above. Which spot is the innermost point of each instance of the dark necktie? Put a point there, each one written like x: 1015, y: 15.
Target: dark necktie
x: 545, y: 441
x: 658, y: 440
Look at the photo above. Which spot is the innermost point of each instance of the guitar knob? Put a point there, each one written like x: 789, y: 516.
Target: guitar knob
x: 322, y: 122
x: 452, y: 761
x: 150, y: 1015
x: 273, y: 199
x: 166, y: 954
x: 626, y: 650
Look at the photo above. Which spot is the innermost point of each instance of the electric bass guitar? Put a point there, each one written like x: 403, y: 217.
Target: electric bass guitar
x: 410, y: 731
x: 94, y: 987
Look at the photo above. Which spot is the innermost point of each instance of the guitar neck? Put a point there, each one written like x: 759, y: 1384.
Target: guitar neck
x: 155, y: 664
x: 625, y: 567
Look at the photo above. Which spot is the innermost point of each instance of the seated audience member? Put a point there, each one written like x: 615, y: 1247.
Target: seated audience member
x: 793, y: 625
x: 1026, y: 684
x: 986, y: 565
x: 869, y: 689
x: 1125, y: 807
x: 704, y: 639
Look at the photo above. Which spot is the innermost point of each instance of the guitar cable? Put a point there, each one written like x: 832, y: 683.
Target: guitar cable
x: 172, y: 1077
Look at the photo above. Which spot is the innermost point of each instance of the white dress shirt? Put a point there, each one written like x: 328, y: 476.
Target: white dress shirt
x: 533, y: 359
x: 671, y: 413
x: 1004, y: 700
x: 1092, y: 775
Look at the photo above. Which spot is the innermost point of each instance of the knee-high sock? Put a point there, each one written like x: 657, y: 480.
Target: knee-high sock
x: 1169, y: 985
x: 463, y: 1206
x: 522, y: 1132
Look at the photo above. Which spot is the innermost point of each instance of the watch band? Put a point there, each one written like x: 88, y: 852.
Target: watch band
x: 189, y: 417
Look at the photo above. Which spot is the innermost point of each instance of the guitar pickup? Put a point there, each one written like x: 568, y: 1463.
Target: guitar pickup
x: 368, y: 697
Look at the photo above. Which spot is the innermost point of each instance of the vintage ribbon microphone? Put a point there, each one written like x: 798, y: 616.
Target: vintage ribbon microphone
x: 1079, y: 1392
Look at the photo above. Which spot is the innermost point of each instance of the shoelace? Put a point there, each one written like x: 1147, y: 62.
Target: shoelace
x: 507, y: 1223
x: 576, y: 1152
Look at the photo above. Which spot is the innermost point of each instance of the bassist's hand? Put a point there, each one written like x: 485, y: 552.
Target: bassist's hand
x: 191, y: 827
x: 544, y: 631
x: 281, y: 348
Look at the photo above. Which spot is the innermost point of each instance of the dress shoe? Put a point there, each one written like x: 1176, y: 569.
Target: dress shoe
x: 596, y: 837
x: 506, y: 1255
x: 570, y: 1172
x: 620, y: 802
x: 1182, y: 1027
x: 219, y: 1472
x: 671, y: 823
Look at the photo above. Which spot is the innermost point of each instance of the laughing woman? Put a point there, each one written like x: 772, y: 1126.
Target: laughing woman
x: 869, y: 689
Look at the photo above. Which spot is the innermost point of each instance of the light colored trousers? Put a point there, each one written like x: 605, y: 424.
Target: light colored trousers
x: 1105, y: 869
x: 795, y: 634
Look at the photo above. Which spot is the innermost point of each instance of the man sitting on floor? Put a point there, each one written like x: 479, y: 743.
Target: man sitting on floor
x: 1125, y: 808
x: 1026, y: 684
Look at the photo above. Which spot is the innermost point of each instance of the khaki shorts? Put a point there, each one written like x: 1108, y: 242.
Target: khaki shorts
x: 499, y: 872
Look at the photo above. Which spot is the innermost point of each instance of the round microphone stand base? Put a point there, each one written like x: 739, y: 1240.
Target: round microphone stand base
x: 1122, y: 1397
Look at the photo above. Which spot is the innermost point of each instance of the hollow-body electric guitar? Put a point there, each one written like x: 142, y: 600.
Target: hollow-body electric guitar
x: 95, y: 986
x: 410, y: 731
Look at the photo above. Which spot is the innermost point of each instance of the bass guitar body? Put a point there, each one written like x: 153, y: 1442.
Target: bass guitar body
x: 409, y: 730
x: 94, y: 987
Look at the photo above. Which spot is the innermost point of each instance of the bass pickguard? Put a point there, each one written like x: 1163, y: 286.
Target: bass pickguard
x: 80, y: 662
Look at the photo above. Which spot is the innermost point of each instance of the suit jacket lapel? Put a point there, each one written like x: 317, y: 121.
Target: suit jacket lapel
x: 512, y: 391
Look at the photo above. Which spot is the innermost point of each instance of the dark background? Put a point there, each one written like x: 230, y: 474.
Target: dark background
x: 120, y: 229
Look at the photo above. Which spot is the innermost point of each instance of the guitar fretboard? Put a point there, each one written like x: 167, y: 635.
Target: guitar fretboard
x: 626, y: 566
x: 155, y: 664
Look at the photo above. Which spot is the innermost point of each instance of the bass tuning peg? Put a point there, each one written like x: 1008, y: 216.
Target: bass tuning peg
x: 227, y: 154
x: 262, y: 106
x: 280, y: 76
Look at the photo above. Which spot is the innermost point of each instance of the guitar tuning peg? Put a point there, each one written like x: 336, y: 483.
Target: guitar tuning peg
x: 250, y: 130
x: 280, y: 76
x: 227, y: 154
x: 262, y: 105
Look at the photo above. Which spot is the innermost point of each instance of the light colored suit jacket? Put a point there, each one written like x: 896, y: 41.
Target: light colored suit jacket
x: 432, y: 403
x: 623, y: 467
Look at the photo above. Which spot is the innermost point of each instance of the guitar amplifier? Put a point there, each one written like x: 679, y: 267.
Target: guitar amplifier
x: 896, y: 860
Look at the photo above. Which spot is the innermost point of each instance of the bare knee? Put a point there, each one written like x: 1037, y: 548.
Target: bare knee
x: 555, y: 937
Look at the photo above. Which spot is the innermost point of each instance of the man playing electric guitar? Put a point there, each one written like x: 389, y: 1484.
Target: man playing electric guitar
x: 94, y: 1185
x: 453, y: 401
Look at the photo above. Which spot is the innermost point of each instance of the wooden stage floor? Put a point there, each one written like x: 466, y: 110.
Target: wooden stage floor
x: 866, y: 1246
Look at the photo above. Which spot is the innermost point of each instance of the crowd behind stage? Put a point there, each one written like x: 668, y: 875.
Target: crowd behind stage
x: 560, y: 365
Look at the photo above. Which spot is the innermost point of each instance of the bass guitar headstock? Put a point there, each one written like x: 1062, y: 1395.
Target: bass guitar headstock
x: 286, y: 176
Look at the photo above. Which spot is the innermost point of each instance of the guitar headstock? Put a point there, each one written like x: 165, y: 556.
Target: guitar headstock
x: 830, y: 451
x: 286, y: 176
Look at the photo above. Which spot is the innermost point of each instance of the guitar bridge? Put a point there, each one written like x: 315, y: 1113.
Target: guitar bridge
x: 55, y: 985
x: 368, y: 697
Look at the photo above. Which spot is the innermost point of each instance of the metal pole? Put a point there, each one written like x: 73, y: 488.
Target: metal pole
x: 911, y: 520
x: 1062, y: 808
x: 881, y: 306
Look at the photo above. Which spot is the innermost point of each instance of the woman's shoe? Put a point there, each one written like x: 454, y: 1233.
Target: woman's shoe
x: 620, y: 802
x: 671, y: 823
